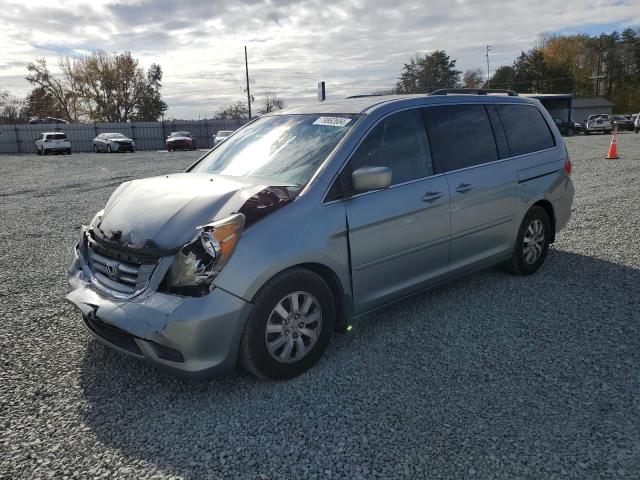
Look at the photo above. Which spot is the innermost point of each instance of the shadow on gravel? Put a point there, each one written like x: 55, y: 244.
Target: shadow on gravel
x: 491, y: 376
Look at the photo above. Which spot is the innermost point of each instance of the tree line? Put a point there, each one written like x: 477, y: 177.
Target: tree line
x: 587, y: 66
x: 101, y: 87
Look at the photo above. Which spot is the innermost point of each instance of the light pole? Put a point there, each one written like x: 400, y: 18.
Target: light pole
x: 246, y: 66
x: 488, y: 77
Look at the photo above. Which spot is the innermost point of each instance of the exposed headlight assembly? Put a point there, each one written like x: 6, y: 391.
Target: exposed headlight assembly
x: 96, y: 219
x: 199, y: 262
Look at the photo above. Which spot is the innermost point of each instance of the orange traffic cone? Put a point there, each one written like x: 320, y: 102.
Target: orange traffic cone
x: 613, y: 148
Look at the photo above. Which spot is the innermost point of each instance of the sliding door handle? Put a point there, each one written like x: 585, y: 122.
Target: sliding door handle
x: 431, y: 196
x: 464, y: 187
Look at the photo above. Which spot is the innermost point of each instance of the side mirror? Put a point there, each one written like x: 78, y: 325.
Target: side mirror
x: 365, y: 179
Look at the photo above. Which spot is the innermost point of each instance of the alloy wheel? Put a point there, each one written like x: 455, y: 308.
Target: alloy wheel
x: 533, y: 242
x: 293, y: 327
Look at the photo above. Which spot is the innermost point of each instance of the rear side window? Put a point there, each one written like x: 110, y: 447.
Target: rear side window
x: 400, y: 143
x: 526, y: 129
x: 461, y: 136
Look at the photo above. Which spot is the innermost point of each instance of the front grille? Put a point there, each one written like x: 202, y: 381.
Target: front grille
x: 113, y: 335
x: 121, y: 274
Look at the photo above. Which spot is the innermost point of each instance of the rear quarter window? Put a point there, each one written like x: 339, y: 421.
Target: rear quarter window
x: 526, y: 129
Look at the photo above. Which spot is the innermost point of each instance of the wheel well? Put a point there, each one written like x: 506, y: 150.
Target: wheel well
x: 546, y: 205
x: 331, y: 279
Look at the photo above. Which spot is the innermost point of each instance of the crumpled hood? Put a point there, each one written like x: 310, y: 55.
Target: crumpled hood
x: 163, y: 212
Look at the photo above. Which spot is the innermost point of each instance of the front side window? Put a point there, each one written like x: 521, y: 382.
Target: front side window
x: 398, y: 142
x: 526, y: 129
x: 461, y: 136
x: 281, y: 149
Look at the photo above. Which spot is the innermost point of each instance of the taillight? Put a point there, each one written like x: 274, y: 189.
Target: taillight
x: 567, y: 166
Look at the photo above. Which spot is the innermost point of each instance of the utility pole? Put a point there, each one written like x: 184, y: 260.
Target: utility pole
x: 488, y: 77
x: 246, y: 66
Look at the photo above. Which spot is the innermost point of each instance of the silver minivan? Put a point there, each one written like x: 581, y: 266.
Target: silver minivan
x: 307, y: 218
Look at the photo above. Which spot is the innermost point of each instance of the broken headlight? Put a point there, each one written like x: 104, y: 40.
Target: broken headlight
x: 96, y: 219
x: 197, y: 263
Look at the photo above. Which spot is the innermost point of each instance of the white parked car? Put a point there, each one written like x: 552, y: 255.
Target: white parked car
x: 53, y: 142
x: 221, y: 136
x: 600, y: 123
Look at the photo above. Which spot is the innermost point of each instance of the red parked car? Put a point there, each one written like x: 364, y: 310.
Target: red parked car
x: 180, y: 141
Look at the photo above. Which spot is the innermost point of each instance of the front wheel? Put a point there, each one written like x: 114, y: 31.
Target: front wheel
x: 532, y: 243
x: 571, y: 132
x: 108, y: 148
x: 290, y: 326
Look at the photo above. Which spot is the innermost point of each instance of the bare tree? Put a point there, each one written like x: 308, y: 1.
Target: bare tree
x: 271, y: 103
x: 472, y: 78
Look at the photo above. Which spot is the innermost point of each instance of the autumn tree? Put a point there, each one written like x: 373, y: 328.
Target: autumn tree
x: 102, y: 87
x: 40, y: 103
x: 472, y: 78
x: 59, y: 89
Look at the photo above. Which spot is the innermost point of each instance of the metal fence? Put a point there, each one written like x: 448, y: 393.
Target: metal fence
x: 147, y: 135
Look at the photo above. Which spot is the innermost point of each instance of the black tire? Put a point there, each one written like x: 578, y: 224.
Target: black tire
x: 254, y: 355
x: 39, y: 150
x: 518, y: 264
x: 108, y: 148
x: 45, y: 152
x: 587, y: 132
x: 571, y: 132
x: 68, y: 151
x: 95, y: 149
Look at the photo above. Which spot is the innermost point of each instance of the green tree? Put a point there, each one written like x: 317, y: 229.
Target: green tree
x: 237, y: 111
x: 428, y: 73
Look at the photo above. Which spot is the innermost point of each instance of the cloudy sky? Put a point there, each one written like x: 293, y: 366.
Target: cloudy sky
x: 356, y: 46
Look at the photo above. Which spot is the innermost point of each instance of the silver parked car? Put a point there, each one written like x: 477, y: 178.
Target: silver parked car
x: 221, y: 136
x: 307, y: 218
x: 113, y: 142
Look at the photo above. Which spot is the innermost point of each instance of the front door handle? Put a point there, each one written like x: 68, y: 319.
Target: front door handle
x: 464, y: 187
x: 431, y: 196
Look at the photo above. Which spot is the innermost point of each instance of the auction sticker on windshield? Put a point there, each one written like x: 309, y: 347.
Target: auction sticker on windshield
x: 332, y: 121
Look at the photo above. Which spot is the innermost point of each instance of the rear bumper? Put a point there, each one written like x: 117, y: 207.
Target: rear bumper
x: 193, y: 337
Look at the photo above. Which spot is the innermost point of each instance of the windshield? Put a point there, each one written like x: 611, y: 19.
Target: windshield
x: 283, y: 148
x: 224, y: 133
x: 180, y: 134
x: 115, y: 135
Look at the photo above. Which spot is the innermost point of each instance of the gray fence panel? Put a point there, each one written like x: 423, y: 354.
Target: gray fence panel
x: 147, y: 135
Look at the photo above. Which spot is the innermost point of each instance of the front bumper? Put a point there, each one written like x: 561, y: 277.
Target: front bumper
x: 123, y: 147
x: 196, y: 337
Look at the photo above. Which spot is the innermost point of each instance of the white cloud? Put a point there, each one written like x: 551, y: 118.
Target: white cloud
x: 356, y: 46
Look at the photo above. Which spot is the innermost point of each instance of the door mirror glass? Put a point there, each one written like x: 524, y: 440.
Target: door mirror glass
x: 365, y: 179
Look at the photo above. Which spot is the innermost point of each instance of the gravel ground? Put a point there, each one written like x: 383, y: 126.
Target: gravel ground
x: 493, y: 376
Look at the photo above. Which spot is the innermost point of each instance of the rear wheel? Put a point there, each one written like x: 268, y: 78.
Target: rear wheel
x: 95, y: 149
x: 532, y: 242
x: 108, y: 148
x: 571, y: 132
x: 290, y: 326
x: 39, y: 150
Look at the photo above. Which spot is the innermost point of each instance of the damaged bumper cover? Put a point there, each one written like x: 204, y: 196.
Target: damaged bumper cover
x: 192, y: 336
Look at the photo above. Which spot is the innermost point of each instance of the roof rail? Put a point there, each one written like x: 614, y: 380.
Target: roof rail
x: 474, y: 91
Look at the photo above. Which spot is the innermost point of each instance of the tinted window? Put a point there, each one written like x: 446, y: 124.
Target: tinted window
x: 57, y: 136
x: 400, y: 143
x: 526, y: 129
x: 461, y: 136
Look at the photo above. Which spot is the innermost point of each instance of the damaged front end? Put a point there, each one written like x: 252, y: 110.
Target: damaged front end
x: 160, y: 304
